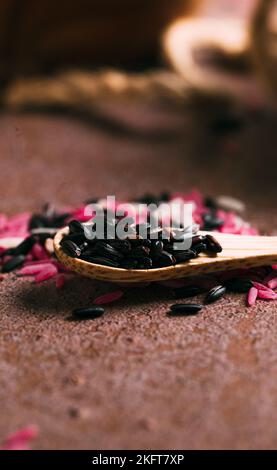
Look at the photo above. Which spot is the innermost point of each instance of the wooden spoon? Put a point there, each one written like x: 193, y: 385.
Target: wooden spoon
x: 239, y: 251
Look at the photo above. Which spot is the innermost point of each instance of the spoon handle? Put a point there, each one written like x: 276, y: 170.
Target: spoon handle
x: 239, y: 251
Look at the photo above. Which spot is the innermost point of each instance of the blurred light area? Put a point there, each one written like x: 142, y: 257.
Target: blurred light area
x: 242, y: 8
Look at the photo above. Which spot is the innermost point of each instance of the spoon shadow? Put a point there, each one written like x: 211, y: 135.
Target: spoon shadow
x: 46, y: 300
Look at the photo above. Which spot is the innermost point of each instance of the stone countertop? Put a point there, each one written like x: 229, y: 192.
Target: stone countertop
x: 136, y: 378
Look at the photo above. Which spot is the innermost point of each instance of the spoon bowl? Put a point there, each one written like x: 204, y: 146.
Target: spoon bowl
x: 238, y: 251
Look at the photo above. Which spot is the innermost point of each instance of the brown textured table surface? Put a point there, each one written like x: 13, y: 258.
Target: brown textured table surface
x: 136, y: 378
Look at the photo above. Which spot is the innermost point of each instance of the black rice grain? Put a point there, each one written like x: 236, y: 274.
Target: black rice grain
x: 211, y: 221
x: 25, y: 247
x: 185, y: 309
x: 71, y: 248
x: 123, y: 246
x: 197, y: 239
x: 137, y: 252
x: 144, y: 263
x: 37, y: 221
x: 129, y: 264
x: 157, y: 247
x: 88, y: 312
x: 41, y: 236
x: 181, y: 256
x: 13, y: 263
x: 77, y: 238
x: 212, y: 244
x: 75, y: 227
x: 199, y: 248
x: 58, y: 220
x: 214, y: 294
x: 163, y: 260
x: 105, y: 249
x: 22, y: 249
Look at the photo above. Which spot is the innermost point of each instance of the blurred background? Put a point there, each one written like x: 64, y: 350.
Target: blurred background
x: 127, y: 97
x: 92, y: 80
x: 187, y: 84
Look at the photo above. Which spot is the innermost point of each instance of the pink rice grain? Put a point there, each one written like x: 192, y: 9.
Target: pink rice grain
x: 3, y: 222
x: 79, y: 214
x: 60, y: 280
x: 252, y: 296
x: 47, y: 273
x: 33, y: 269
x: 40, y: 261
x: 272, y: 284
x: 39, y: 252
x: 262, y: 287
x: 108, y: 298
x: 19, y: 219
x: 267, y: 295
x: 20, y: 439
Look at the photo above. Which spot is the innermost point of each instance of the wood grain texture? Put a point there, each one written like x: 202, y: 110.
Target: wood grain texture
x: 238, y: 252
